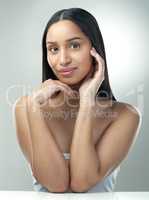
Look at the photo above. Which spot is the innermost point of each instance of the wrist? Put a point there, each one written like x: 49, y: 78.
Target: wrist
x: 87, y: 106
x: 87, y: 102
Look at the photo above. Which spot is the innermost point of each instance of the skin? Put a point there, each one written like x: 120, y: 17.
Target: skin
x: 63, y: 52
x: 112, y: 147
x: 75, y: 53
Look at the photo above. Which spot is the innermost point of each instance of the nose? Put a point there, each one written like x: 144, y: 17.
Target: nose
x: 64, y: 58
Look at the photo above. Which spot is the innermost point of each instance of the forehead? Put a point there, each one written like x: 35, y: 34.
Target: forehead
x: 64, y: 29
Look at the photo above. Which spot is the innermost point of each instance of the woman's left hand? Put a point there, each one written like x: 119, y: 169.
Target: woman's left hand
x: 90, y: 86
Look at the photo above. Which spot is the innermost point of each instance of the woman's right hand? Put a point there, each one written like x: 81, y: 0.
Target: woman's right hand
x: 48, y: 90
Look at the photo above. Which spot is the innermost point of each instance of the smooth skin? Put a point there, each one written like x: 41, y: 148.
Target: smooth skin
x: 89, y: 164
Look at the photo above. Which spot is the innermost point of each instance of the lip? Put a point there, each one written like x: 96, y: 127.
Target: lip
x: 67, y: 72
x: 68, y: 69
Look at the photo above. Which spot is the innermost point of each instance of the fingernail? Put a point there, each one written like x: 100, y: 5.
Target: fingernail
x: 93, y: 50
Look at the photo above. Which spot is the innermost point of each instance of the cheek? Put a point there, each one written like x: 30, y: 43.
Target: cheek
x: 51, y: 61
x: 86, y: 60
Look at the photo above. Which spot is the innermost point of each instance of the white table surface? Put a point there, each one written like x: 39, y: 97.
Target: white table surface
x: 31, y: 195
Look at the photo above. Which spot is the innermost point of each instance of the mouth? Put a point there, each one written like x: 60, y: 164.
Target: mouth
x: 68, y: 71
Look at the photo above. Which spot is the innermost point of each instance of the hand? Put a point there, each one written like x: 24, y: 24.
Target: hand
x: 48, y: 90
x: 90, y: 86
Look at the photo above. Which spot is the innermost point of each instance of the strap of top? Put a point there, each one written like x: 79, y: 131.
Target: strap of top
x: 66, y: 156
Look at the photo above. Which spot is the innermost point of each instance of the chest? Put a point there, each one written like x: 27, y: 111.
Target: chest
x: 63, y: 130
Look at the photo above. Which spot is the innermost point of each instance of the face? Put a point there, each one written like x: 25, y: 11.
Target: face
x: 68, y: 47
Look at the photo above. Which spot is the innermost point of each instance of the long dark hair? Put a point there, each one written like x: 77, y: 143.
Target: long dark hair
x: 89, y: 26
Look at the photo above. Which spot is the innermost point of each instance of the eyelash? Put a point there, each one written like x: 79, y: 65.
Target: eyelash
x: 78, y: 45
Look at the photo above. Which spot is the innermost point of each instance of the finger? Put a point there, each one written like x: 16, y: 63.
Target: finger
x: 67, y: 90
x: 97, y: 56
x: 46, y: 83
x: 100, y: 62
x: 50, y: 81
x: 65, y: 86
x: 60, y: 87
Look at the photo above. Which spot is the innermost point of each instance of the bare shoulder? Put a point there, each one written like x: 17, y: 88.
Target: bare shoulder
x: 115, y: 110
x: 20, y: 102
x: 19, y: 112
x: 126, y: 119
x: 122, y: 108
x: 127, y: 115
x: 19, y: 108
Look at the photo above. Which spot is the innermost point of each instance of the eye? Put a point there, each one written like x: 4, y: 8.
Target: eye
x: 75, y: 45
x: 53, y: 49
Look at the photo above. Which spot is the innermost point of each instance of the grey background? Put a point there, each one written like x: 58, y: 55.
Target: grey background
x: 124, y: 25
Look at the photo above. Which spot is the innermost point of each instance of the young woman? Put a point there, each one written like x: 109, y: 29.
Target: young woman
x: 71, y: 129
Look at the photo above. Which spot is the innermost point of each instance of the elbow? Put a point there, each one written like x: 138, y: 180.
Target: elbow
x: 79, y: 186
x: 84, y: 185
x: 61, y: 189
x: 54, y: 186
x: 58, y: 188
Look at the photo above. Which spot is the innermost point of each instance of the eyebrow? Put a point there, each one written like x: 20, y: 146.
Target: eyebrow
x: 74, y: 38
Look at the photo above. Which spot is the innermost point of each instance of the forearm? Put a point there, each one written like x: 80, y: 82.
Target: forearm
x: 84, y: 161
x: 49, y: 165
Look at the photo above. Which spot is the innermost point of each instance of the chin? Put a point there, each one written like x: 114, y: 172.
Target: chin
x: 72, y: 82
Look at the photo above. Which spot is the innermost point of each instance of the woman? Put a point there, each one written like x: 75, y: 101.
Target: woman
x: 71, y: 129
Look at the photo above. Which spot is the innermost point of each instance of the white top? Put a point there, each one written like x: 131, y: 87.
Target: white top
x: 106, y: 185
